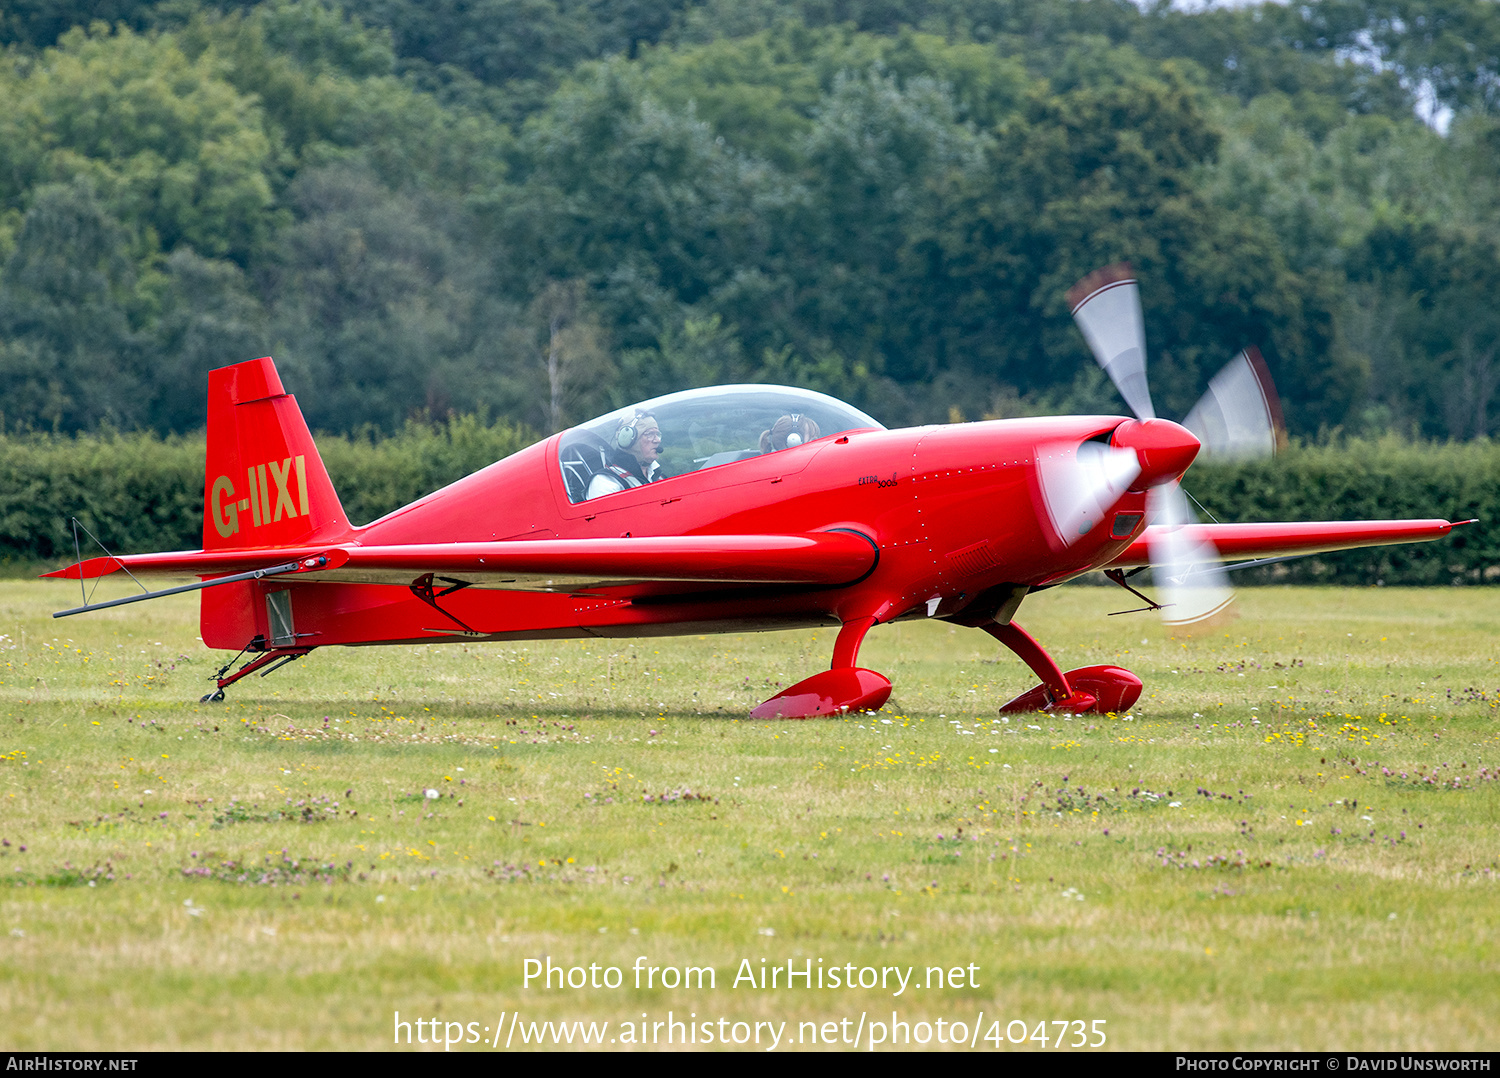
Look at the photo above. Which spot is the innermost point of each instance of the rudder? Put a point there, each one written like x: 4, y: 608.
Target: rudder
x: 264, y: 483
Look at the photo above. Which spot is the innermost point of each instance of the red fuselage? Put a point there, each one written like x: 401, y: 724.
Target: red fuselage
x: 951, y: 510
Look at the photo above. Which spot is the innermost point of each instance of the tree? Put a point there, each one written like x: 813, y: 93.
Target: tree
x: 70, y: 356
x: 209, y: 318
x: 579, y: 368
x: 1450, y: 49
x: 166, y: 143
x: 380, y: 311
x: 1433, y: 285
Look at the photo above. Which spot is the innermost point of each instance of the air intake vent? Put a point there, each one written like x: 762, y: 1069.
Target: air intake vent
x: 975, y: 558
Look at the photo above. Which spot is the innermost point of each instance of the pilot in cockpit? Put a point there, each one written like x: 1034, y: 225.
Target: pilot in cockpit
x: 788, y: 431
x: 632, y: 460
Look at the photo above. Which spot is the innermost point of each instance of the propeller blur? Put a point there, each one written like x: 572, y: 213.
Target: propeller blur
x: 1238, y: 418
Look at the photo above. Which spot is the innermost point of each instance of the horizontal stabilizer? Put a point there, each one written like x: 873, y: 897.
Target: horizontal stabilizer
x: 317, y: 561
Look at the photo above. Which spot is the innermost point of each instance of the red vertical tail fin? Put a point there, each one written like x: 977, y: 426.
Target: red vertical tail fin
x: 264, y: 483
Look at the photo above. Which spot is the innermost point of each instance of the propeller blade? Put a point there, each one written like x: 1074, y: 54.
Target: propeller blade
x: 1239, y: 416
x: 1107, y: 307
x: 1080, y: 483
x: 1194, y: 589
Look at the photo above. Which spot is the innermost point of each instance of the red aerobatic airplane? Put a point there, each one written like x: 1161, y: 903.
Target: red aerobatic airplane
x: 739, y: 508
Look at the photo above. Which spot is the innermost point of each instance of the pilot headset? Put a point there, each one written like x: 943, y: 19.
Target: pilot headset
x: 630, y: 433
x: 794, y: 437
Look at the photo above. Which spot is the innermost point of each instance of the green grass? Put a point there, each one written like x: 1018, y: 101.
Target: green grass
x: 187, y: 880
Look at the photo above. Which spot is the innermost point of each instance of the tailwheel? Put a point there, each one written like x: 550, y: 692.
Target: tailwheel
x: 263, y: 664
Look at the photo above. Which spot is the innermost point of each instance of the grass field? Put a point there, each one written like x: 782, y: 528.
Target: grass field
x: 1293, y: 841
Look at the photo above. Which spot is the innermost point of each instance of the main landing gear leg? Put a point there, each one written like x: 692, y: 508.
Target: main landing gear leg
x: 843, y: 688
x: 1089, y: 688
x: 263, y: 664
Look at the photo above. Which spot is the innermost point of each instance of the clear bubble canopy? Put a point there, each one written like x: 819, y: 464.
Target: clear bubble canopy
x: 704, y: 428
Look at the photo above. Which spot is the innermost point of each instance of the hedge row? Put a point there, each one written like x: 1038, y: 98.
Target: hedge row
x: 1369, y: 480
x: 138, y: 492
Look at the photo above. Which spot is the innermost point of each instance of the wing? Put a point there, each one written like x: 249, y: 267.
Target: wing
x: 1312, y: 537
x: 829, y: 558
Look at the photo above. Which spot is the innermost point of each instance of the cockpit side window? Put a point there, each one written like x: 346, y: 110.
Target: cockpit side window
x: 688, y: 432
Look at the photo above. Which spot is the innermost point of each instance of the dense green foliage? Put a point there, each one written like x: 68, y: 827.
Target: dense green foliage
x: 139, y: 492
x: 413, y: 204
x: 133, y: 491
